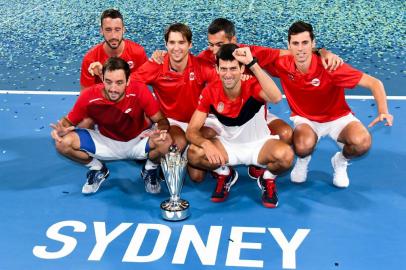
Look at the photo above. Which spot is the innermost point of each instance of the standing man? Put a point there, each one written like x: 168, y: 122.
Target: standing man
x: 112, y: 29
x: 240, y: 107
x: 118, y: 107
x: 177, y: 83
x: 317, y: 101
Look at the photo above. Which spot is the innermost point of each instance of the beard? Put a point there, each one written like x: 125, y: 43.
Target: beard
x: 108, y: 42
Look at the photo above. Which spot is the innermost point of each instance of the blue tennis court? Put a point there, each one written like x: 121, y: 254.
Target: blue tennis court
x: 48, y: 224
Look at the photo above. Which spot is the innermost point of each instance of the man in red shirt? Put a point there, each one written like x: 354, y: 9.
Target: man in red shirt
x: 317, y: 101
x: 177, y: 83
x: 118, y: 107
x: 222, y: 31
x: 112, y: 29
x: 240, y: 107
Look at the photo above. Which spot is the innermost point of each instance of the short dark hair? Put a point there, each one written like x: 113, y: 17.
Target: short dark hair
x: 222, y: 24
x: 111, y: 13
x: 116, y: 63
x: 300, y: 27
x: 181, y: 28
x: 225, y: 53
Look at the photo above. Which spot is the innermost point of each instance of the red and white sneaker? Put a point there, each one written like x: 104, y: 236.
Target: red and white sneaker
x: 254, y: 172
x: 224, y: 183
x: 269, y: 196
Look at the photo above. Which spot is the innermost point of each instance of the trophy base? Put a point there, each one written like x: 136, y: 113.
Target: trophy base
x: 175, y: 210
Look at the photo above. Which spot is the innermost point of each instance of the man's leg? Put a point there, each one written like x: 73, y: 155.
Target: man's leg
x: 277, y: 127
x: 357, y: 141
x: 225, y: 176
x: 281, y: 128
x: 304, y: 142
x: 156, y: 148
x: 197, y: 175
x: 278, y: 157
x: 70, y: 146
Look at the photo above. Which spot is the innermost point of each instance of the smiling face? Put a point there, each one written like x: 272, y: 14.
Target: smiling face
x: 301, y: 46
x: 112, y: 31
x: 178, y: 47
x: 115, y: 83
x: 230, y: 73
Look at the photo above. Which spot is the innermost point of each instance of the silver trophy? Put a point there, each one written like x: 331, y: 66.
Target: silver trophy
x: 174, y: 168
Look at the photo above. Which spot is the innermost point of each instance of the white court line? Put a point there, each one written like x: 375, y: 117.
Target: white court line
x: 75, y: 93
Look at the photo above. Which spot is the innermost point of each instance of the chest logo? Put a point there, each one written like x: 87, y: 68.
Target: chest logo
x: 128, y: 110
x: 220, y: 107
x: 315, y: 82
x: 191, y: 76
x: 131, y: 64
x: 290, y: 76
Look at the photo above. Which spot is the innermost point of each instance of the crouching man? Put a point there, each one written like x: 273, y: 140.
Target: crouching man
x: 118, y: 107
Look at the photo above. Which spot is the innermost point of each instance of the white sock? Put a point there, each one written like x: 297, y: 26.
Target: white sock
x: 342, y: 158
x: 222, y: 170
x: 269, y: 176
x: 94, y: 164
x: 149, y: 165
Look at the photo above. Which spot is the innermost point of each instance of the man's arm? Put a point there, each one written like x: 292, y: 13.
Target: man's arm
x: 270, y: 91
x: 162, y: 122
x: 378, y: 91
x: 194, y: 136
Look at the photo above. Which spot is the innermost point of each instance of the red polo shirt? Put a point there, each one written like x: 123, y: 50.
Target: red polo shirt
x: 317, y: 95
x: 123, y: 120
x: 177, y: 93
x: 133, y: 54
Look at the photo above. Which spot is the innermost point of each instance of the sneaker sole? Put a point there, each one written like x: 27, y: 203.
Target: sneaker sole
x: 270, y: 205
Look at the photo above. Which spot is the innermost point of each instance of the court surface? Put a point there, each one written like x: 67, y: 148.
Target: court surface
x: 48, y: 224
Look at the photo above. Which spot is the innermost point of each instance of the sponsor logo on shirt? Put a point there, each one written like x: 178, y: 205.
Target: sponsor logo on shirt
x: 128, y: 110
x: 315, y: 82
x: 220, y: 107
x: 131, y: 64
x: 191, y: 76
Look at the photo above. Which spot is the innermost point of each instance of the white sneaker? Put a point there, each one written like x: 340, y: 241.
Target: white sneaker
x: 340, y: 164
x: 299, y: 172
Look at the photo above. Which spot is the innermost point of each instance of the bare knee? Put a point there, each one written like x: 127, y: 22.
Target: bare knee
x: 284, y: 156
x: 359, y: 144
x: 303, y: 147
x: 194, y: 154
x: 66, y: 145
x: 196, y: 175
x: 208, y: 132
x: 286, y: 135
